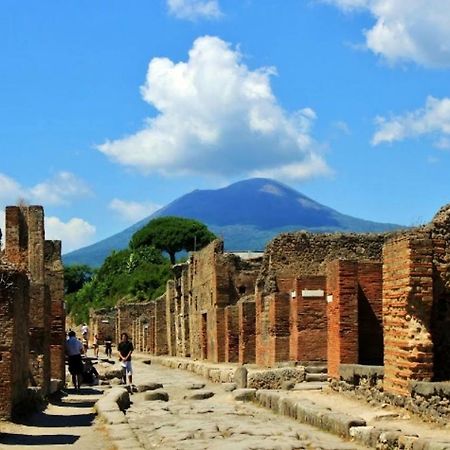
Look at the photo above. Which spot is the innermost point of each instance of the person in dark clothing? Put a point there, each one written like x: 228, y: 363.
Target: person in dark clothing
x: 90, y: 374
x: 108, y: 346
x: 125, y: 350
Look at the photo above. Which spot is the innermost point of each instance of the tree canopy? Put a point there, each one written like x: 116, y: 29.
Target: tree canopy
x: 76, y: 276
x: 173, y: 234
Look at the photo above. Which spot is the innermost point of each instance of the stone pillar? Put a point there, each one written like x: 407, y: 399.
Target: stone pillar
x: 25, y: 249
x: 170, y: 300
x: 54, y: 289
x: 161, y: 345
x: 14, y: 350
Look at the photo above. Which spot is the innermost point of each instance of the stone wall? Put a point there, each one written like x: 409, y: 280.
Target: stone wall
x: 103, y: 324
x: 303, y: 254
x: 14, y: 349
x: 32, y: 317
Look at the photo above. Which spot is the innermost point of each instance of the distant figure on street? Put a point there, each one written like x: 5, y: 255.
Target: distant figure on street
x: 74, y: 350
x: 85, y: 331
x: 95, y: 345
x: 108, y: 346
x: 125, y: 348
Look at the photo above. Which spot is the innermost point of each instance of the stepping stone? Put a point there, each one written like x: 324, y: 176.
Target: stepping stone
x: 310, y: 386
x: 200, y: 395
x: 229, y: 387
x: 240, y: 377
x: 157, y: 395
x: 244, y: 395
x: 148, y: 387
x: 287, y: 385
x: 194, y: 386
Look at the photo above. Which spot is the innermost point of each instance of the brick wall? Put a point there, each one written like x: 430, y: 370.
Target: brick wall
x: 160, y: 327
x: 354, y: 312
x: 272, y: 331
x: 24, y: 247
x: 407, y: 306
x: 54, y: 289
x: 247, y: 331
x: 303, y: 254
x: 232, y: 333
x: 308, y: 320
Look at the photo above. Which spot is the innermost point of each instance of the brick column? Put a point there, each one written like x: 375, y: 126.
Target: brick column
x: 231, y: 333
x: 14, y: 351
x: 407, y: 306
x: 247, y: 332
x: 161, y: 345
x: 54, y: 288
x: 342, y: 315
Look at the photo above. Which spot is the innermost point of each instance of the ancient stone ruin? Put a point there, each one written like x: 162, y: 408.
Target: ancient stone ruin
x: 374, y: 307
x: 32, y: 316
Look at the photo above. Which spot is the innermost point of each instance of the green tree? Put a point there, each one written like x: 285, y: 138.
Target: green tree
x: 76, y: 276
x: 172, y: 235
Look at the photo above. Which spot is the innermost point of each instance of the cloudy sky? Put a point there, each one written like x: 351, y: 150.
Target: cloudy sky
x: 111, y: 109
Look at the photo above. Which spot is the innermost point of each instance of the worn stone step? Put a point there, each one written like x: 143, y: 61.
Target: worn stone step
x: 314, y: 377
x: 316, y: 369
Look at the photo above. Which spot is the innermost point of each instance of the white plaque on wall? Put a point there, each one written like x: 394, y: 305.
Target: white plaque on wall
x: 312, y: 293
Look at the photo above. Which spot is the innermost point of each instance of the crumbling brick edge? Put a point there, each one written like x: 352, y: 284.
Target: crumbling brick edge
x: 110, y: 410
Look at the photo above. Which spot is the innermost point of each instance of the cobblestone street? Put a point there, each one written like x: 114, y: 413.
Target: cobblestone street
x: 201, y: 415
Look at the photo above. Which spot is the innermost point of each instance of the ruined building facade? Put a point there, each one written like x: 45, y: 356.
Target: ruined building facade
x: 32, y: 308
x: 376, y: 304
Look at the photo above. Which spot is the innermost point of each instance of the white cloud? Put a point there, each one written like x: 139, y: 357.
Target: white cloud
x: 10, y: 189
x: 216, y: 116
x: 413, y: 30
x: 433, y: 119
x: 194, y: 9
x: 74, y: 234
x: 59, y: 190
x: 133, y: 211
x: 312, y: 166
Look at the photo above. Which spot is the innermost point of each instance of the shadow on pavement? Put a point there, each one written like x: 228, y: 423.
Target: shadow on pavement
x: 26, y: 439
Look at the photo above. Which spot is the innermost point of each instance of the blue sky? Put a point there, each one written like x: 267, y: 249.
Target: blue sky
x: 110, y: 109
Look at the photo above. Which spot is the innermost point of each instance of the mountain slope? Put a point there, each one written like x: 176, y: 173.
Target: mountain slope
x: 246, y: 214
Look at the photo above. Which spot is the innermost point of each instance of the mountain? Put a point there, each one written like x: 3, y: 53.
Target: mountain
x: 246, y: 214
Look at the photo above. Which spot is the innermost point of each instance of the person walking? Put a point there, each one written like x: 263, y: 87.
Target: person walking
x: 108, y: 347
x: 95, y: 345
x: 74, y: 350
x: 125, y: 348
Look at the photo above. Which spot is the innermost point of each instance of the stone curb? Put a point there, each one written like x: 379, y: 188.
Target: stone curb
x: 344, y: 425
x: 110, y: 410
x: 341, y: 424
